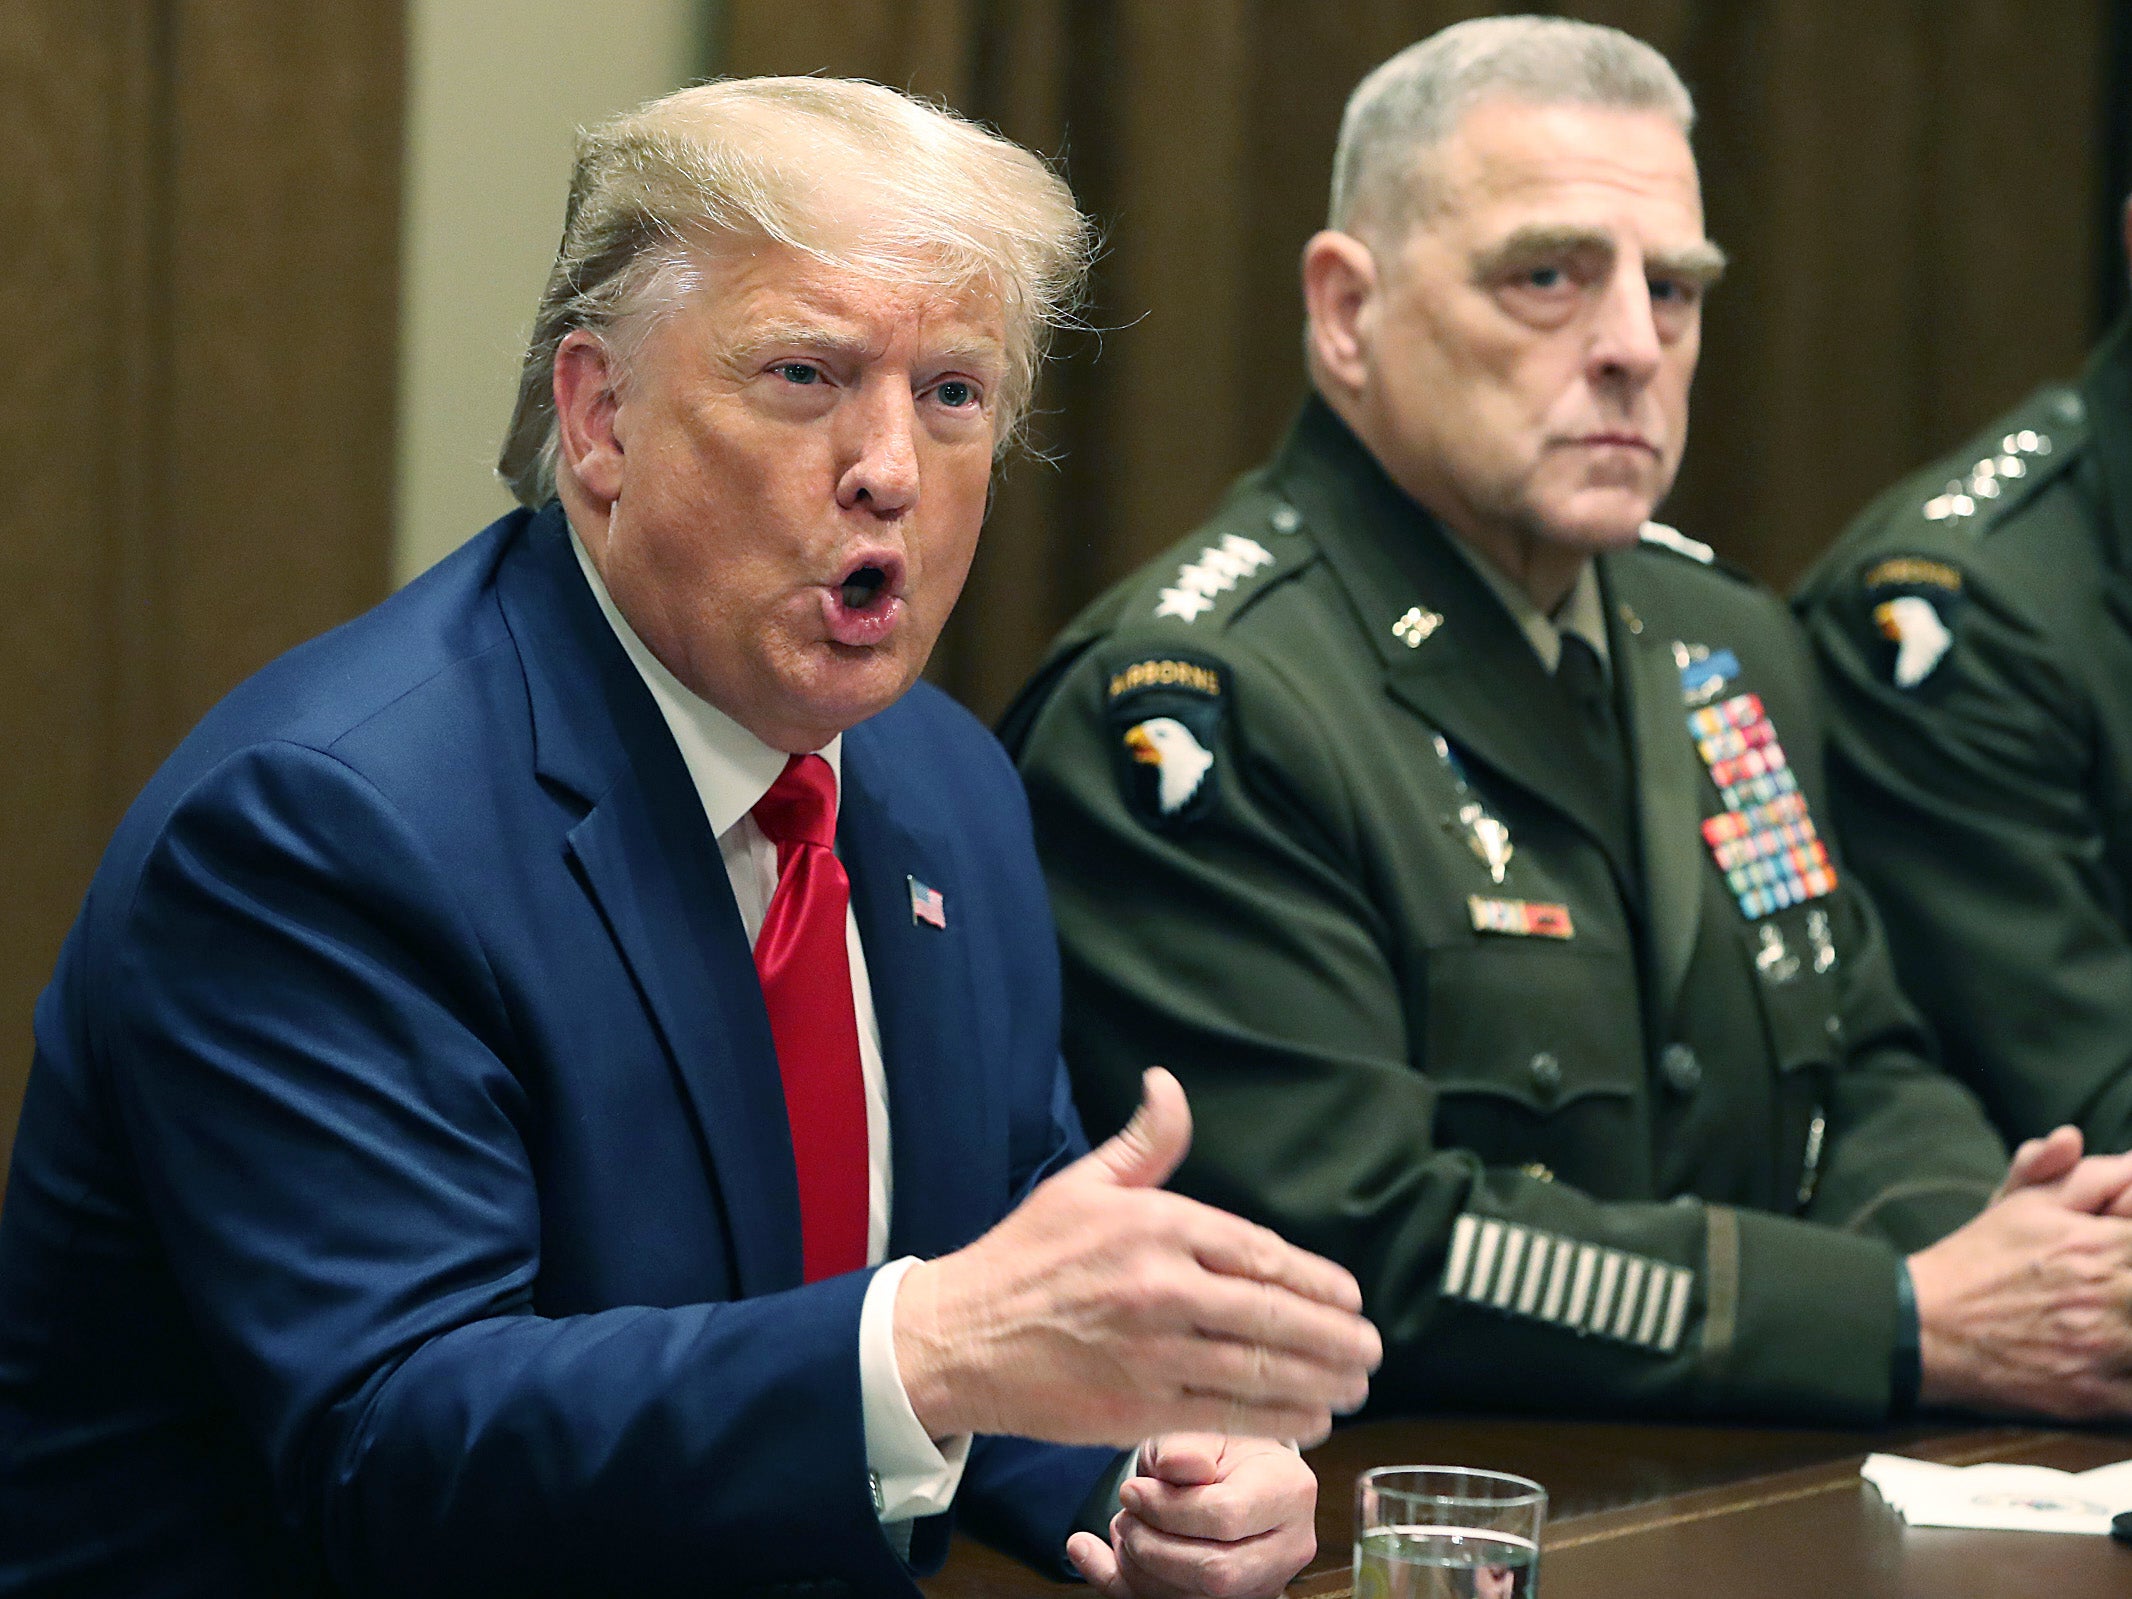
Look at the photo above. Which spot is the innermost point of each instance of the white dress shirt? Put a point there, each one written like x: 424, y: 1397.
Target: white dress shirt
x: 733, y: 769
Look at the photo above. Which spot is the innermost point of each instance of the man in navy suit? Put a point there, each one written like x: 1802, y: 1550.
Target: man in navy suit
x: 554, y: 1087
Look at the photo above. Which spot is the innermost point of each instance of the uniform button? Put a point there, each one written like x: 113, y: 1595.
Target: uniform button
x: 1835, y: 1030
x: 1682, y: 1070
x: 1546, y: 1072
x: 1285, y: 519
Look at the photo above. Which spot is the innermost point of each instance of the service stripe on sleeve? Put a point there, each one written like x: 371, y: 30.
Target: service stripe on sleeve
x: 1631, y: 1297
x: 1676, y: 1310
x: 1557, y: 1280
x: 1603, y: 1300
x: 1506, y: 1280
x: 1461, y: 1255
x: 1484, y: 1253
x: 1535, y: 1274
x: 1587, y: 1289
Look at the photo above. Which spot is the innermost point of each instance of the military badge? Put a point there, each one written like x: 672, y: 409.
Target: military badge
x: 1484, y: 833
x: 1913, y: 599
x: 1164, y: 713
x: 1704, y: 673
x: 1765, y: 840
x: 1520, y: 918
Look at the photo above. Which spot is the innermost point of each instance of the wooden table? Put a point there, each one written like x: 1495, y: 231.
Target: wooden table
x: 1680, y: 1512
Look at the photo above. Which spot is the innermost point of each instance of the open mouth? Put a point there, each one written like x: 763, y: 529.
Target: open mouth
x: 863, y: 606
x: 864, y: 586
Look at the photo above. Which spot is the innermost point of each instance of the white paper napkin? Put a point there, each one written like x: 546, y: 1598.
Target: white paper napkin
x: 2001, y: 1498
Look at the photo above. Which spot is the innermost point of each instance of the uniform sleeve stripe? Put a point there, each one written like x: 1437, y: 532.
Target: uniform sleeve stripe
x: 1506, y: 1280
x: 1461, y: 1255
x: 1535, y: 1274
x: 1631, y: 1296
x: 1581, y: 1289
x: 1585, y: 1288
x: 1654, y: 1305
x: 1676, y: 1310
x: 1558, y: 1280
x: 1603, y: 1300
x: 1484, y: 1253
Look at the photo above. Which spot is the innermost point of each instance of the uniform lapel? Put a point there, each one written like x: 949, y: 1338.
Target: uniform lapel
x: 1474, y: 677
x: 1668, y: 784
x: 947, y: 1143
x: 650, y: 865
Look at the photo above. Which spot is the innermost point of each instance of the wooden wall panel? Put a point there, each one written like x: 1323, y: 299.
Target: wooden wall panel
x: 198, y: 220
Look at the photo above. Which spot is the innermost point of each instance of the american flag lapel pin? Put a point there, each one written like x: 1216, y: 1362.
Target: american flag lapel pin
x: 928, y: 905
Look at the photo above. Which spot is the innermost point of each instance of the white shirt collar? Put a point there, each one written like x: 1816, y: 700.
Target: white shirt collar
x: 729, y: 765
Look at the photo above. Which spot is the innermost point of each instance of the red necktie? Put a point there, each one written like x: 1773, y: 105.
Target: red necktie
x: 805, y: 969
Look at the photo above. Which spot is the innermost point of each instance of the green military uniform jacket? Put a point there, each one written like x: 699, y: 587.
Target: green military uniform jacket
x: 1568, y: 1128
x: 1974, y: 627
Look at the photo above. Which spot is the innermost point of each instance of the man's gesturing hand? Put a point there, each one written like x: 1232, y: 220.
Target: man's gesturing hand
x: 2029, y: 1307
x: 1205, y: 1514
x: 1103, y: 1310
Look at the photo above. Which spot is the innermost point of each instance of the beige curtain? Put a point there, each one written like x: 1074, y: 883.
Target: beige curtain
x: 1911, y: 191
x: 199, y: 221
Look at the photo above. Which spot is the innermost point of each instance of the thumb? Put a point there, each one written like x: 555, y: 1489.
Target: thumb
x: 1144, y: 1152
x: 2043, y: 1160
x: 1188, y: 1459
x: 1097, y: 1563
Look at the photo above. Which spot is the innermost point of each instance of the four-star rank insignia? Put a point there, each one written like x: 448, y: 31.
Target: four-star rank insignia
x: 1164, y: 714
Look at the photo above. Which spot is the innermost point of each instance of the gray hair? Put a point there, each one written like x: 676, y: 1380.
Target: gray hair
x: 745, y: 159
x: 1415, y: 100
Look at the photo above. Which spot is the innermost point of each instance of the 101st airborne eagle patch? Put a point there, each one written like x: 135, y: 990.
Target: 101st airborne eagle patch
x: 1913, y: 599
x: 1164, y: 713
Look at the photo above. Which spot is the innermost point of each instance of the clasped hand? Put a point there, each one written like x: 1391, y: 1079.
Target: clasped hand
x: 1204, y: 1514
x: 2028, y: 1308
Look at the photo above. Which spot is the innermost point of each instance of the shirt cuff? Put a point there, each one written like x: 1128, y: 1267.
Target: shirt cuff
x: 1906, y: 1362
x: 912, y: 1474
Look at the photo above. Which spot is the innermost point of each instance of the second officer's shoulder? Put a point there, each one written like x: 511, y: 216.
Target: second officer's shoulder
x: 1961, y: 509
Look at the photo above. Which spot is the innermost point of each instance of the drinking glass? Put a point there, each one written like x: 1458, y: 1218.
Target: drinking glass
x: 1447, y: 1532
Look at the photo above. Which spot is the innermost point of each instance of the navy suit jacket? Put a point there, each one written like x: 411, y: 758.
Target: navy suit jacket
x: 404, y: 1202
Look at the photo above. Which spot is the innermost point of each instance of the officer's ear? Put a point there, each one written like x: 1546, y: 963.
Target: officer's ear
x: 1340, y: 294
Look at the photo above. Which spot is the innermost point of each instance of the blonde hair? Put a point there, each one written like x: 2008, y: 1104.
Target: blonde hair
x: 748, y: 159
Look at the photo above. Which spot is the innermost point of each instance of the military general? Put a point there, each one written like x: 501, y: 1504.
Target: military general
x: 1974, y: 628
x: 1460, y: 836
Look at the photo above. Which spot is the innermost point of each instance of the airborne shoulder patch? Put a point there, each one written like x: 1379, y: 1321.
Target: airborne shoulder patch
x: 1164, y: 714
x: 1912, y: 600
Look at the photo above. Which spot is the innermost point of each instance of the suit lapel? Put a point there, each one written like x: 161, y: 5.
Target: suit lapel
x: 1668, y: 787
x: 666, y: 900
x: 651, y: 867
x: 948, y: 1148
